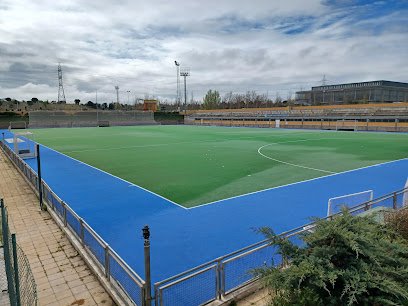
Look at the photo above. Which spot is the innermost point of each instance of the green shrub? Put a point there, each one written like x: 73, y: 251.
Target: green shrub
x: 347, y: 261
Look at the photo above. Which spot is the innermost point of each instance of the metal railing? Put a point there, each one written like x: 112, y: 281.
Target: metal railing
x: 202, y: 284
x: 226, y: 274
x: 127, y: 283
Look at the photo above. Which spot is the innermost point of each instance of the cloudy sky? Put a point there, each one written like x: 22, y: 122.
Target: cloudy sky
x: 230, y: 45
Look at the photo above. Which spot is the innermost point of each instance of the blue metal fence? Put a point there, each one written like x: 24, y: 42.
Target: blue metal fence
x: 123, y: 279
x: 232, y: 271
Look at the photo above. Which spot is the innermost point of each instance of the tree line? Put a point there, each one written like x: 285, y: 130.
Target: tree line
x: 250, y: 99
x: 211, y: 100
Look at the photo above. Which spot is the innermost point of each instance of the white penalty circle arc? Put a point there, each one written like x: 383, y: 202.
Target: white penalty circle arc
x: 291, y: 164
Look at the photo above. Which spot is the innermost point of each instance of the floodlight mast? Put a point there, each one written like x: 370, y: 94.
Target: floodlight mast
x: 96, y: 104
x: 178, y: 82
x: 185, y: 72
x: 128, y: 93
x: 117, y: 96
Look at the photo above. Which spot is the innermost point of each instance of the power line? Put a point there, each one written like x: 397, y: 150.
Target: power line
x: 324, y: 80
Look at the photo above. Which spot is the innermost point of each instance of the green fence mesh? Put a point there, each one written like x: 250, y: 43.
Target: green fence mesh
x: 21, y: 286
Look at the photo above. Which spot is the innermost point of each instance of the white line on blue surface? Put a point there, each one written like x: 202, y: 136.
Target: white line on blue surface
x: 123, y: 180
x: 300, y: 182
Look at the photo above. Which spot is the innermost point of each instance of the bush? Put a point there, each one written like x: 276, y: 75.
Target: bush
x: 347, y: 261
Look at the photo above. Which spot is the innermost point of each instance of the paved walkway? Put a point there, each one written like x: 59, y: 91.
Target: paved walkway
x: 60, y: 273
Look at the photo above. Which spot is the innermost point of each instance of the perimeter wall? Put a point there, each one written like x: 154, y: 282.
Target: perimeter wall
x: 89, y: 118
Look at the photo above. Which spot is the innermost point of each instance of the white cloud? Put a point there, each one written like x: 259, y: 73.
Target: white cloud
x: 229, y: 45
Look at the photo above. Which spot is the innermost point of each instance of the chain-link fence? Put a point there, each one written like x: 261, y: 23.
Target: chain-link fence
x: 21, y: 286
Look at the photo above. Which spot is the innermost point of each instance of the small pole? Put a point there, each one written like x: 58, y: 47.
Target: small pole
x: 97, y: 111
x: 107, y: 263
x: 7, y: 258
x: 3, y: 137
x: 148, y: 288
x: 64, y: 213
x: 82, y: 234
x: 220, y: 280
x: 37, y: 148
x: 16, y: 276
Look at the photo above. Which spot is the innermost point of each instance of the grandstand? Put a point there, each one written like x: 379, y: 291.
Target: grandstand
x: 89, y: 118
x: 362, y: 117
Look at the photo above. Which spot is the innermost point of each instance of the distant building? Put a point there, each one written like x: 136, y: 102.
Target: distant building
x: 150, y: 105
x: 375, y: 91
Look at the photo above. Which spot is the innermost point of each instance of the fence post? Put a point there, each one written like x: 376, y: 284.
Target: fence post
x: 148, y: 286
x: 16, y: 276
x: 394, y: 201
x: 217, y: 281
x: 366, y: 206
x: 7, y: 258
x: 156, y: 296
x: 107, y: 264
x: 220, y: 280
x: 50, y: 193
x: 81, y: 229
x: 42, y: 188
x: 37, y: 148
x: 64, y: 212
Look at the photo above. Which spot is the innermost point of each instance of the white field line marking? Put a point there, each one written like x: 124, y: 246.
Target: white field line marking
x: 120, y: 133
x: 123, y: 180
x: 121, y: 148
x: 234, y: 197
x: 164, y: 144
x: 130, y: 183
x: 300, y: 182
x: 291, y: 164
x: 135, y: 185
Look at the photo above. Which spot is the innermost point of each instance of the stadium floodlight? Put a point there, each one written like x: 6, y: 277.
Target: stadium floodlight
x: 178, y: 82
x: 117, y: 94
x: 96, y: 104
x: 128, y: 93
x: 185, y: 72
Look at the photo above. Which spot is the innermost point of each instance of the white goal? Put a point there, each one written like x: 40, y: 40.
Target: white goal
x: 17, y: 125
x: 349, y: 200
x: 346, y: 125
x: 23, y: 144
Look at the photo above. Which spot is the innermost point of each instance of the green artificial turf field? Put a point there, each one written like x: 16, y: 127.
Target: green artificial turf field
x: 193, y: 165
